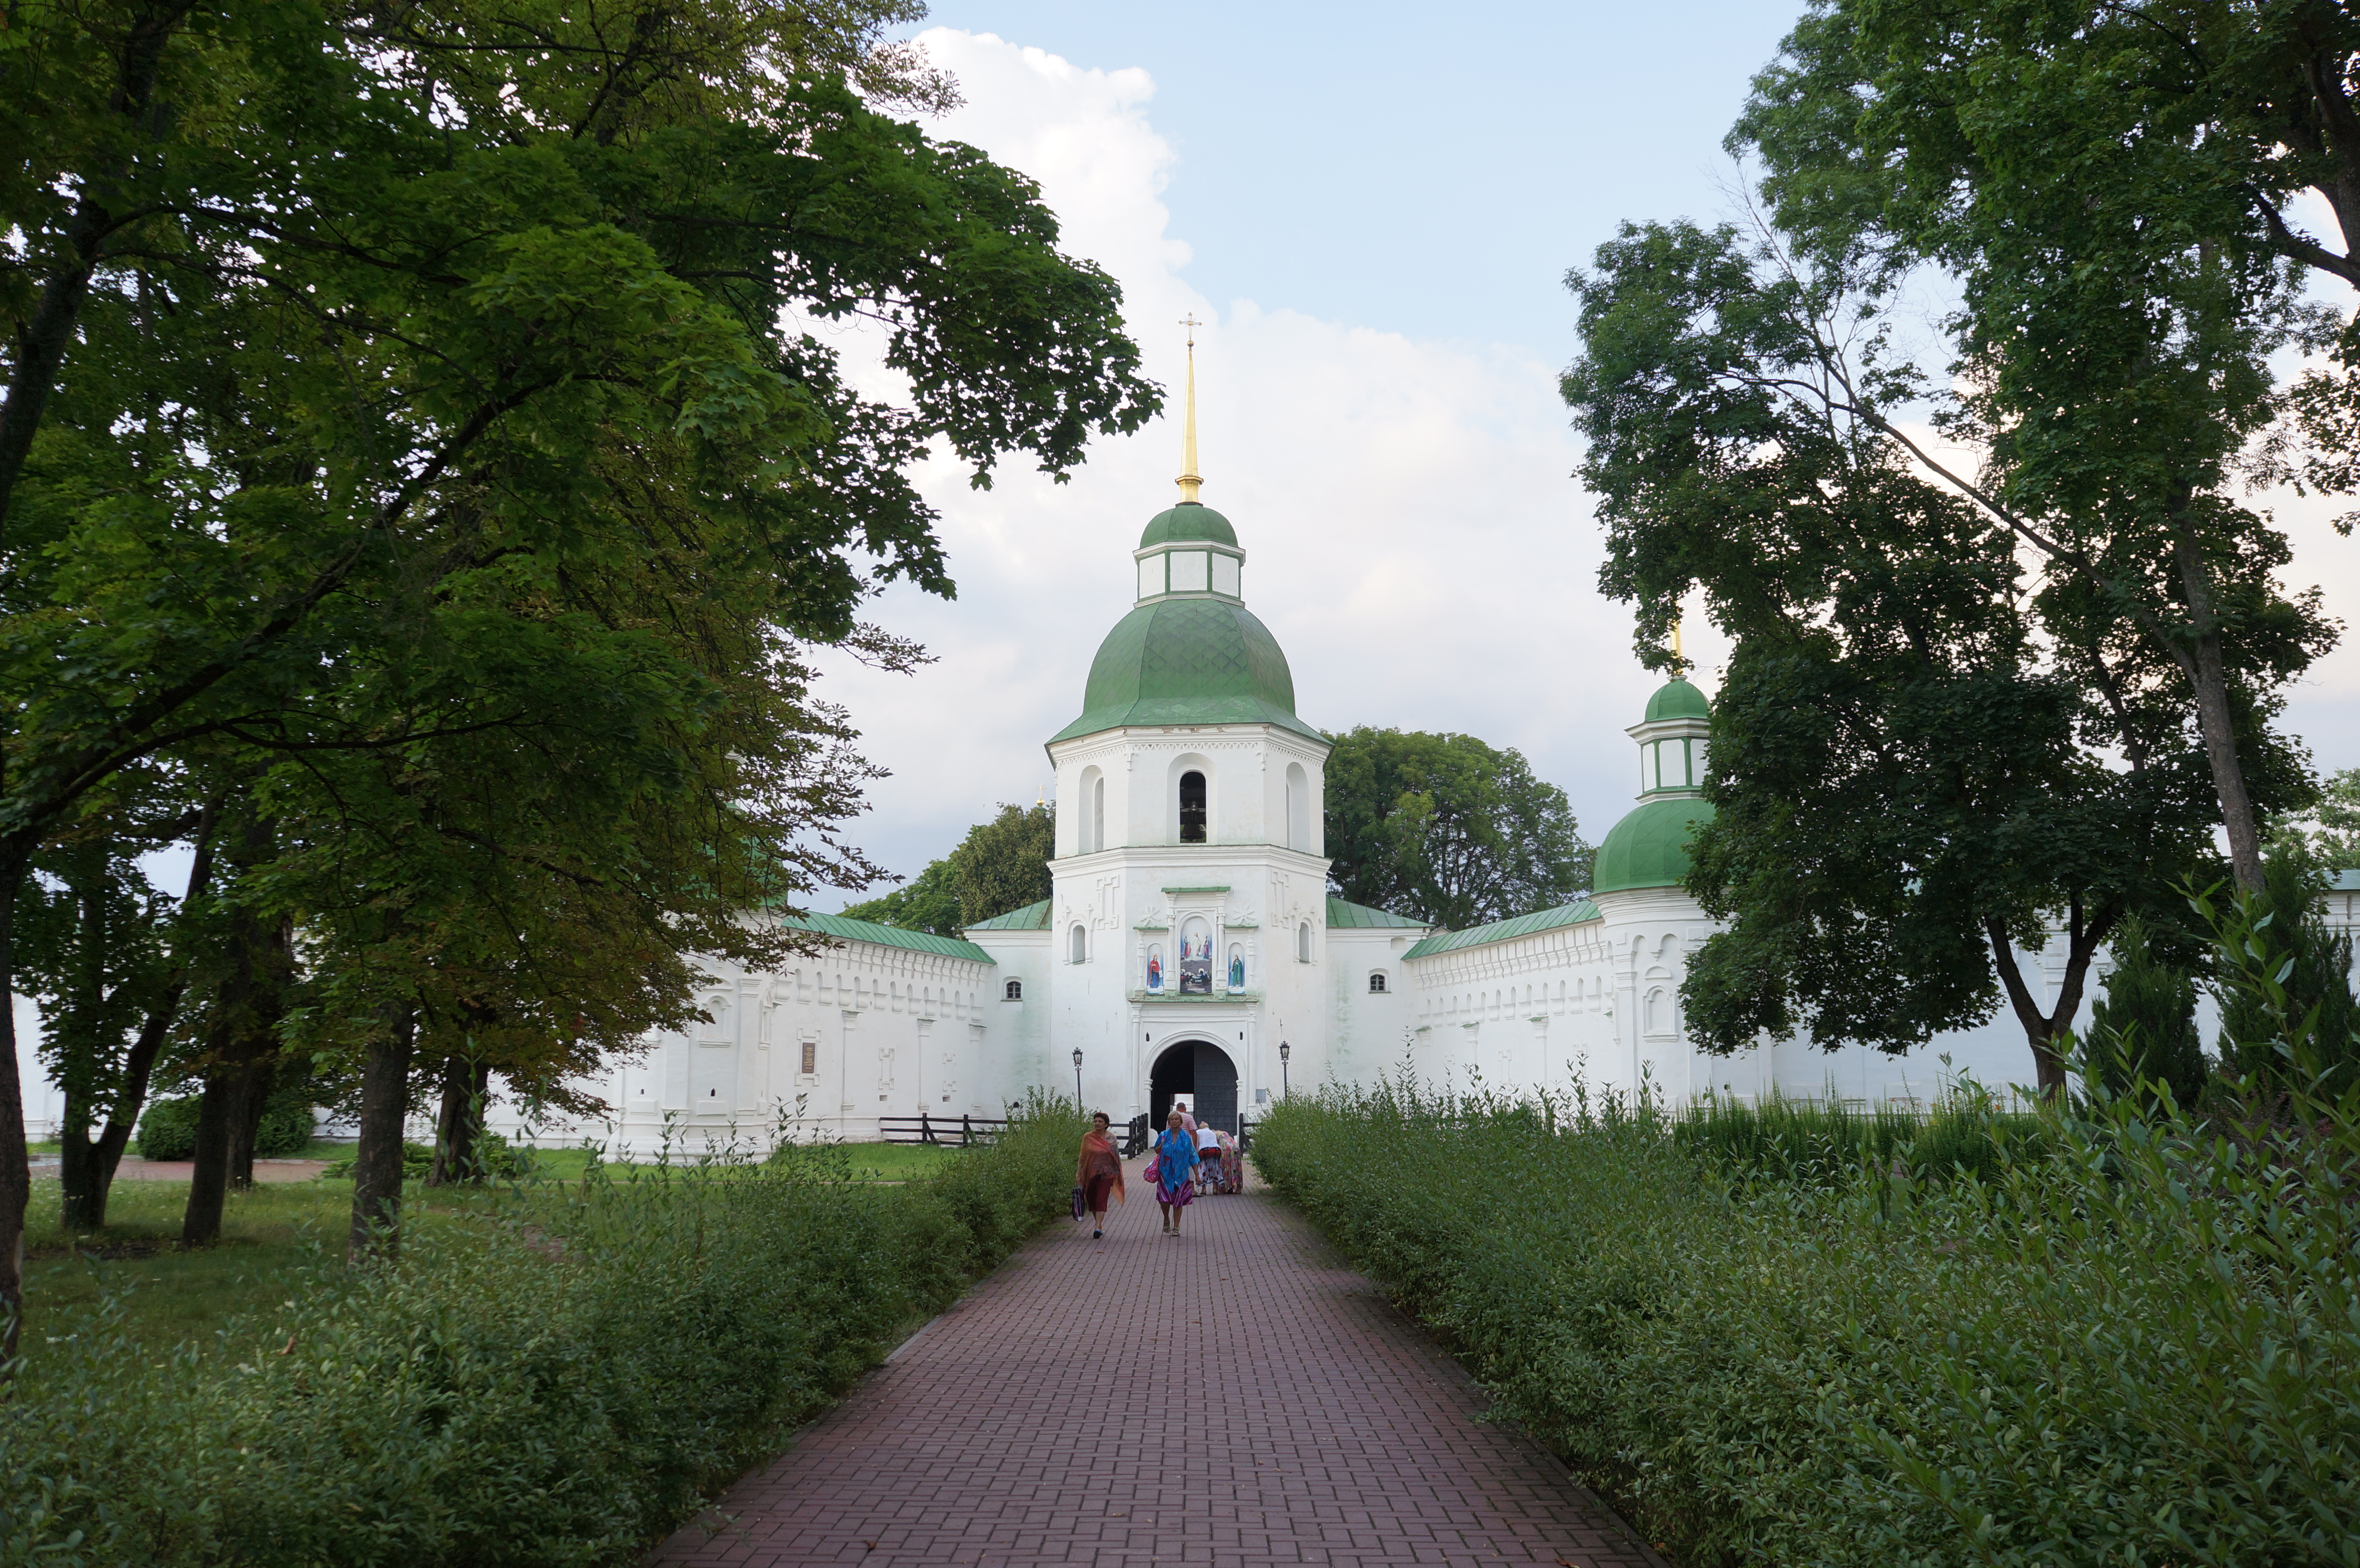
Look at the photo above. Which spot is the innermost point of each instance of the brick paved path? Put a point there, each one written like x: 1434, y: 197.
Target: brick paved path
x: 1015, y: 1428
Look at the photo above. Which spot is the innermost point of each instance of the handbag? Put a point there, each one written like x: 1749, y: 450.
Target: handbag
x: 1151, y: 1173
x: 1078, y: 1206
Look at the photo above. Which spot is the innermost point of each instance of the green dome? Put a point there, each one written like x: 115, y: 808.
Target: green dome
x: 1188, y: 520
x: 1677, y: 700
x: 1187, y: 661
x: 1648, y: 848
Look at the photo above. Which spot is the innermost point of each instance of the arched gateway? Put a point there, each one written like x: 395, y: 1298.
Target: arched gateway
x: 1203, y: 1071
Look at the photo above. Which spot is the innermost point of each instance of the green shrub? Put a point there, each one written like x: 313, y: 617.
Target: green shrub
x: 417, y: 1159
x: 2285, y: 928
x: 2143, y: 1031
x: 558, y: 1386
x: 1816, y: 1140
x: 2136, y: 1343
x: 167, y: 1128
x: 285, y: 1128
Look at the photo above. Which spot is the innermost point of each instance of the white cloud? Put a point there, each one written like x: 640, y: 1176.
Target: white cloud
x: 1415, y: 539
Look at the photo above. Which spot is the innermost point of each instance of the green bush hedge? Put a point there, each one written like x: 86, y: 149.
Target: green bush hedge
x: 559, y: 1386
x: 167, y: 1128
x: 2133, y: 1345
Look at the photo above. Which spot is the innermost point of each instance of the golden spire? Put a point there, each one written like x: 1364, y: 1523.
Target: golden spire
x: 1188, y: 479
x: 1679, y: 660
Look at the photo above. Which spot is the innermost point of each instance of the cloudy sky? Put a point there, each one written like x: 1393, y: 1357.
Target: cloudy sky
x: 1375, y: 219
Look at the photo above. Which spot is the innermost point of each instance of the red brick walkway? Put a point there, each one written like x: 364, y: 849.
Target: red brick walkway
x: 1018, y: 1427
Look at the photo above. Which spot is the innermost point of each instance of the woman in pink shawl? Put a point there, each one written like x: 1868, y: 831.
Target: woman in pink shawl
x: 1099, y: 1173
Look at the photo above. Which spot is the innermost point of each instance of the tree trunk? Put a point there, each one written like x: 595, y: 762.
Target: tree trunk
x: 217, y: 1113
x: 77, y: 1040
x: 2214, y: 719
x: 87, y: 1184
x: 2046, y: 1032
x: 377, y: 1163
x: 123, y: 1116
x: 16, y: 1171
x: 81, y: 1196
x: 239, y: 1045
x: 249, y: 1123
x: 465, y: 1084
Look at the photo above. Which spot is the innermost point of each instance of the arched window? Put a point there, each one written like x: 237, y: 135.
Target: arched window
x: 1080, y: 944
x: 1303, y: 943
x: 1657, y: 1013
x: 1015, y: 994
x: 1298, y: 808
x: 1098, y: 813
x: 1377, y: 983
x: 1192, y: 808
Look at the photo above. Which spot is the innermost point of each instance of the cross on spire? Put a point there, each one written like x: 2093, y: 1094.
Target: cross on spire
x: 1189, y: 480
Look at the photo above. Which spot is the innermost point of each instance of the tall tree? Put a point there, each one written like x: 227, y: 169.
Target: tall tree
x: 1000, y: 865
x: 94, y: 958
x: 1923, y: 753
x: 2330, y: 835
x: 246, y: 994
x: 1003, y: 863
x: 2105, y: 184
x: 926, y: 902
x: 1447, y: 829
x: 357, y: 353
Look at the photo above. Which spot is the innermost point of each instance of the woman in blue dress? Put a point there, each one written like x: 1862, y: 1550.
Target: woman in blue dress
x: 1175, y: 1171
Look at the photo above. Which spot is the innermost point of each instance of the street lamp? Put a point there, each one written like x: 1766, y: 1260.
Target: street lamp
x: 1077, y: 1078
x: 1286, y: 1090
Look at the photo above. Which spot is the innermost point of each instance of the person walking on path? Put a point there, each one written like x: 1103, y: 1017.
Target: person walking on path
x: 1175, y: 1171
x: 1098, y: 1172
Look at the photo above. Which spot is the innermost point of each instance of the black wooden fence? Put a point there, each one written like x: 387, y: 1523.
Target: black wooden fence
x: 957, y: 1132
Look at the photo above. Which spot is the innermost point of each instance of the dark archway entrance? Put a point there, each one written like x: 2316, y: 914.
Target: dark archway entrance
x: 1204, y: 1073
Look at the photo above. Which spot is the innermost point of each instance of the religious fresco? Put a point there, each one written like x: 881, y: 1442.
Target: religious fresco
x: 1196, y: 959
x: 1155, y: 969
x: 1237, y: 967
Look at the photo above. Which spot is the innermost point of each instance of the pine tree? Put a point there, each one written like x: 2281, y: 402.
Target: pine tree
x: 2289, y: 925
x: 2143, y: 1031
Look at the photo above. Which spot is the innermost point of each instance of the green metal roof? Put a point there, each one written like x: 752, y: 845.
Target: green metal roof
x: 1360, y: 917
x: 1571, y: 914
x: 1188, y: 520
x: 1032, y: 917
x: 1188, y: 661
x: 1648, y: 848
x: 889, y: 936
x: 2344, y: 882
x: 1677, y: 700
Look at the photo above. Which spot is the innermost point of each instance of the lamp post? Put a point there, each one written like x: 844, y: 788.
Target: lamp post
x: 1077, y: 1078
x: 1285, y: 1089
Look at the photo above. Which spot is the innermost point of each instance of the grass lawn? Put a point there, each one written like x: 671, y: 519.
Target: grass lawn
x: 273, y: 1235
x: 897, y: 1161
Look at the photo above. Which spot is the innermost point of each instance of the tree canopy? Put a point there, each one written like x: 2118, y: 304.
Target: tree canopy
x: 1971, y: 698
x: 1447, y: 829
x: 409, y: 413
x: 2105, y: 185
x: 1000, y: 865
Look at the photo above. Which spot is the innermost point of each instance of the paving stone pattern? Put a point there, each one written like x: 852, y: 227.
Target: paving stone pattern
x: 1028, y: 1425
